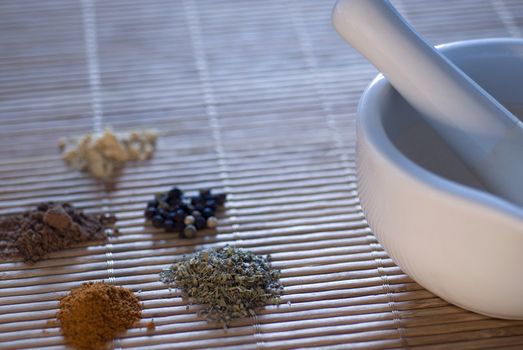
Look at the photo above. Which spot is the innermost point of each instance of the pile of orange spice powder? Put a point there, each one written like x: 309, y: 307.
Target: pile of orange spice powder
x: 95, y: 313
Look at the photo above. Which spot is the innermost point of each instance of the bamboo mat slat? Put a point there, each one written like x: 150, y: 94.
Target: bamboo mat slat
x: 254, y: 98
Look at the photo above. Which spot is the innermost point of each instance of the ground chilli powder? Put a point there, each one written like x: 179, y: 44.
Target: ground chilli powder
x: 95, y: 313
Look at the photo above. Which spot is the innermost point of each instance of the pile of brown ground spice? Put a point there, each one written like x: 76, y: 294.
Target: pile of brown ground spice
x: 104, y: 154
x: 95, y: 313
x: 50, y: 227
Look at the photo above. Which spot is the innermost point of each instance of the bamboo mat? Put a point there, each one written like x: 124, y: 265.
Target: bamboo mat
x: 255, y: 98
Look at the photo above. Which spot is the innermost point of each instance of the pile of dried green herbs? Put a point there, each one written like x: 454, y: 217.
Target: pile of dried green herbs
x: 230, y: 283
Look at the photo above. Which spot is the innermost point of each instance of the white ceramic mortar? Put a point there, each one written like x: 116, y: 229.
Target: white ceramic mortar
x: 427, y: 208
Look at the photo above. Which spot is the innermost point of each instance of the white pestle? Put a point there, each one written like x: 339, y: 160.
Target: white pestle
x: 483, y: 133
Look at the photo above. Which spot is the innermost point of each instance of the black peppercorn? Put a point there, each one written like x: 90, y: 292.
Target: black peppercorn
x: 150, y: 212
x: 162, y: 212
x: 173, y: 202
x: 169, y: 225
x: 205, y: 193
x: 179, y: 227
x: 199, y: 222
x: 185, y: 208
x: 173, y: 211
x: 211, y: 203
x: 179, y: 215
x: 163, y: 204
x: 158, y: 221
x: 220, y: 198
x: 175, y: 192
x: 207, y: 212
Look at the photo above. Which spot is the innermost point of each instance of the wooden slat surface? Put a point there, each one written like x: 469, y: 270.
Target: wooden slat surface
x: 255, y: 98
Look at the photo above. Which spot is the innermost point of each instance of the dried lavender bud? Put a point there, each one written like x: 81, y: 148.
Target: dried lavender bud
x: 230, y: 283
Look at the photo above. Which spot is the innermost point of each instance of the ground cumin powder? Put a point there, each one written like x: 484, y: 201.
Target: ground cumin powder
x: 93, y: 314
